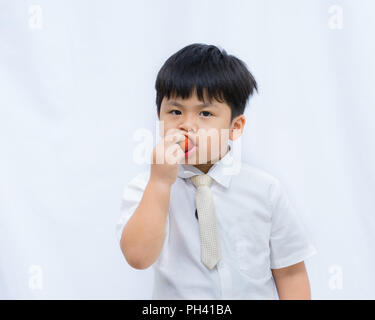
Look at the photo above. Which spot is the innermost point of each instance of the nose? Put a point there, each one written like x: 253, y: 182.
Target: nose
x: 187, y: 122
x: 188, y: 127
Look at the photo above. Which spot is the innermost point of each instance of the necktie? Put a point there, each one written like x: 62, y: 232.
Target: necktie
x: 209, y: 238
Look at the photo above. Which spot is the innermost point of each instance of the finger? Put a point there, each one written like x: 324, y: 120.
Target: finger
x: 173, y: 154
x: 181, y: 139
x: 175, y: 138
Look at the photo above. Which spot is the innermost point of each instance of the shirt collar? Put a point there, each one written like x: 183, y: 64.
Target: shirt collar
x: 221, y: 171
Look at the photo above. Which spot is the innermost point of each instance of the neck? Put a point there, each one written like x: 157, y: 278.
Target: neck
x: 205, y: 167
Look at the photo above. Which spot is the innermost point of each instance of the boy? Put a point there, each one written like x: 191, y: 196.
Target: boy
x: 210, y: 231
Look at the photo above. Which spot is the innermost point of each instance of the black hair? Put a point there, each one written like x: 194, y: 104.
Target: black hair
x: 202, y: 67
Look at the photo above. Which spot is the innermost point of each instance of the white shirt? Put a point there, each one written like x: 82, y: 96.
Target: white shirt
x: 258, y: 230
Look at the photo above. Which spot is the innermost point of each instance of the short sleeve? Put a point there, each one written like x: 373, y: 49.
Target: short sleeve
x: 131, y: 197
x: 289, y: 243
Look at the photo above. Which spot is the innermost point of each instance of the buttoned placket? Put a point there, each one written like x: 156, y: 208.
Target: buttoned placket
x: 225, y: 280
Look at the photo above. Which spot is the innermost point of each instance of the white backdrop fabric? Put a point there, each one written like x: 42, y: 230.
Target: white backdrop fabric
x: 77, y: 80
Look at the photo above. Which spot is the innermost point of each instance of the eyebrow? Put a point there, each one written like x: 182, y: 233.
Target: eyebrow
x: 175, y: 103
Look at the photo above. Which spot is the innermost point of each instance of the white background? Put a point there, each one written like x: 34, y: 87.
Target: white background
x: 77, y: 80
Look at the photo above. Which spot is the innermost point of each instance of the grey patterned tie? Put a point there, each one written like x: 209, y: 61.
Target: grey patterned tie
x: 208, y: 229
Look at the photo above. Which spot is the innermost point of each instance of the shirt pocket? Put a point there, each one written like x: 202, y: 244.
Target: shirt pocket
x: 252, y: 255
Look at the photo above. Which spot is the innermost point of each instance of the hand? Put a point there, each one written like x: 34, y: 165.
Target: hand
x: 167, y: 155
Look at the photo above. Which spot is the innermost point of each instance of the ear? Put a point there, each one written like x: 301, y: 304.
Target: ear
x: 237, y: 127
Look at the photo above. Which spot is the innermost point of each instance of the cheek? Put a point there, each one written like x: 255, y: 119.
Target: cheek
x: 214, y: 141
x: 164, y: 127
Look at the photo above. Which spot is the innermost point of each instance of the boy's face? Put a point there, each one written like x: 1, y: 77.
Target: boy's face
x: 210, y: 126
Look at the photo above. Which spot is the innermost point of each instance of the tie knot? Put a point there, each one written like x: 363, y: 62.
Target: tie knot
x: 202, y: 180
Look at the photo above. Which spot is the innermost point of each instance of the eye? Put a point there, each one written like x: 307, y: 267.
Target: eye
x: 207, y: 112
x: 174, y: 110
